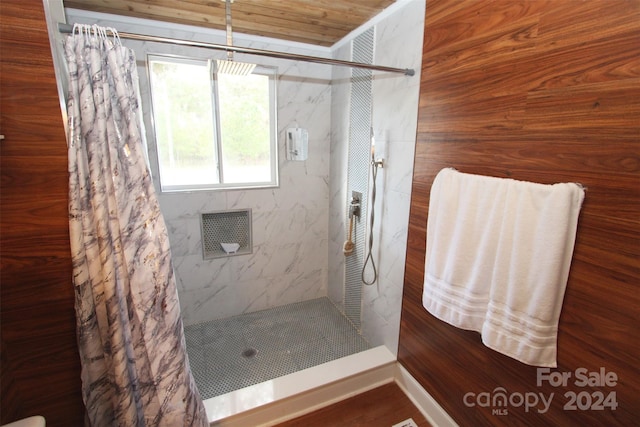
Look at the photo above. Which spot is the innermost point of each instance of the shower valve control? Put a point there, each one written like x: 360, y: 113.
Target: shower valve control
x: 354, y: 205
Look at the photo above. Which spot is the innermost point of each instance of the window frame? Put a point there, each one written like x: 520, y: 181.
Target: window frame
x: 268, y: 71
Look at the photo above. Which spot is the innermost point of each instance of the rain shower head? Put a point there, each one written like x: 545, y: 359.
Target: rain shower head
x: 229, y: 66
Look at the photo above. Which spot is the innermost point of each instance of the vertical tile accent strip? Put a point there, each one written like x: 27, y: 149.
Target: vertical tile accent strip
x: 358, y: 168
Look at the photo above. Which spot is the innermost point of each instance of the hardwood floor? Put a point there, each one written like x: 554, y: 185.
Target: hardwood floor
x: 384, y: 406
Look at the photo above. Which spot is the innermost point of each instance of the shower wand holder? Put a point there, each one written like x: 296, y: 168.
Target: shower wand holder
x: 354, y: 204
x: 354, y: 212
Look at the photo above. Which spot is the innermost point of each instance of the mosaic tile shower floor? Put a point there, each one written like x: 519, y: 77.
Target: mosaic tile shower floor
x: 229, y: 354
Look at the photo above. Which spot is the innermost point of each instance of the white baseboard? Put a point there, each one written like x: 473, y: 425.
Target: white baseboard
x: 433, y: 412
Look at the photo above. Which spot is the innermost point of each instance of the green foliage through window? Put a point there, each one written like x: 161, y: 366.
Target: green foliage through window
x: 212, y: 130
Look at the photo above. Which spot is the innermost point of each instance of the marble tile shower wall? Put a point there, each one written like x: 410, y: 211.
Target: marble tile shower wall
x: 395, y: 105
x: 395, y: 115
x: 289, y: 260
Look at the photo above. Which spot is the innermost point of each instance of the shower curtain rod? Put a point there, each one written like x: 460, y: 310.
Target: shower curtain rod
x: 66, y: 28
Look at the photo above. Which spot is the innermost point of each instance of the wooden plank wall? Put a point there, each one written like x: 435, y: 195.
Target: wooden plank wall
x: 40, y: 362
x: 543, y: 91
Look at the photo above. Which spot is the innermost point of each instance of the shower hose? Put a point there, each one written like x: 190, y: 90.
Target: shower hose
x: 369, y: 258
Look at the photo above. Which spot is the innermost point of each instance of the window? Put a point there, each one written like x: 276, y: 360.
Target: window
x: 213, y: 130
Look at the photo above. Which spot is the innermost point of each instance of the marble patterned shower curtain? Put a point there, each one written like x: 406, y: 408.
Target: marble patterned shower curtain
x: 135, y: 370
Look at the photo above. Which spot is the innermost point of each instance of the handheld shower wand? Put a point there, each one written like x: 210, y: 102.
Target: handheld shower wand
x: 375, y: 164
x: 347, y: 249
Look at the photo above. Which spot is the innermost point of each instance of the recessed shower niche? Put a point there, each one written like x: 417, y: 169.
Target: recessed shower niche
x: 226, y: 233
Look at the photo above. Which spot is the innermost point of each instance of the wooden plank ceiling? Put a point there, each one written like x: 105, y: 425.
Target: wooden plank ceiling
x: 317, y: 22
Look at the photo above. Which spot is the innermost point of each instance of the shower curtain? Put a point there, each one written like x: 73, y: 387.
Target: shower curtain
x: 135, y: 369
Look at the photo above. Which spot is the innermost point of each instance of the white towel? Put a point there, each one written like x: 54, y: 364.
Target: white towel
x: 498, y: 257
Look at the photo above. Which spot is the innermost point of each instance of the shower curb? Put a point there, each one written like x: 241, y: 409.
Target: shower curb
x: 314, y: 388
x: 287, y: 397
